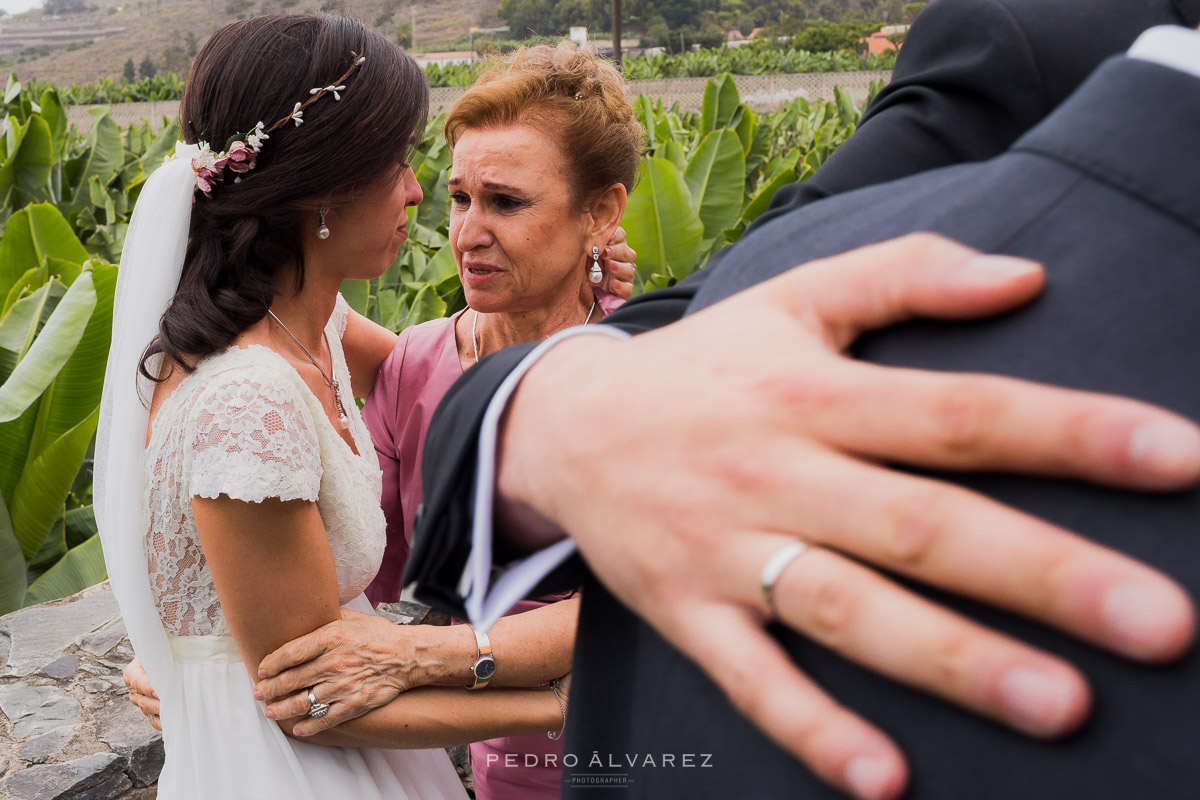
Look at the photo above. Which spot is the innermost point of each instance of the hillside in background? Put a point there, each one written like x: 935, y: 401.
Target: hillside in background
x: 85, y: 47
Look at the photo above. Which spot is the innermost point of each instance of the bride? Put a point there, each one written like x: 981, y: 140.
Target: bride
x: 237, y: 489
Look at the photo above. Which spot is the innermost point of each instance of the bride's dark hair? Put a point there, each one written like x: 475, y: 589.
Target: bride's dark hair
x: 245, y: 237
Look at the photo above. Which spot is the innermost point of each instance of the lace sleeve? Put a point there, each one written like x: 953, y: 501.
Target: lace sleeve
x: 252, y: 438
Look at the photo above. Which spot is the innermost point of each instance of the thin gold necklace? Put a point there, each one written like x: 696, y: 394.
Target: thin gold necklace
x: 343, y: 419
x: 475, y: 319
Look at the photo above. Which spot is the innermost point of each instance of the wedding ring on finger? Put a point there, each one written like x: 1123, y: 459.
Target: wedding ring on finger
x: 774, y: 568
x: 316, y: 710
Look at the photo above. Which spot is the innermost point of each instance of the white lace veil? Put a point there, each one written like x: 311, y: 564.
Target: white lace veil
x: 149, y: 275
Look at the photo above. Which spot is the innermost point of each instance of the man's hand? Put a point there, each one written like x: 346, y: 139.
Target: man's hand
x: 768, y: 433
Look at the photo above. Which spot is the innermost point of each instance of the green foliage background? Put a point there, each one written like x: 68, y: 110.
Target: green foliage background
x: 65, y: 200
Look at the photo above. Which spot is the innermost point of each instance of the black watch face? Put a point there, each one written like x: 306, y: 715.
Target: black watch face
x: 485, y: 669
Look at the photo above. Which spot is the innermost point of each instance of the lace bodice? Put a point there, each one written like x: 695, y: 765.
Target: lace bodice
x: 246, y: 425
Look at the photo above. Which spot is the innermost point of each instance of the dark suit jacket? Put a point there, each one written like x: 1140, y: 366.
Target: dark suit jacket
x: 1103, y: 192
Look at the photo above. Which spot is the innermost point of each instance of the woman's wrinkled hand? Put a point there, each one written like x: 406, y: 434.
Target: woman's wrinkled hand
x: 775, y: 435
x: 141, y: 693
x: 358, y: 663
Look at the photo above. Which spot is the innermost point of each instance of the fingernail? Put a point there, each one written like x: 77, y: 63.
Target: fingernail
x: 989, y: 269
x: 1168, y: 448
x: 869, y: 777
x: 607, y: 252
x: 1036, y: 702
x: 258, y: 695
x: 1147, y: 622
x: 269, y: 714
x: 262, y: 673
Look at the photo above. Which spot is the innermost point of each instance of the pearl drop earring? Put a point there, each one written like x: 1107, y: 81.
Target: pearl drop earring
x: 323, y: 230
x: 595, y: 274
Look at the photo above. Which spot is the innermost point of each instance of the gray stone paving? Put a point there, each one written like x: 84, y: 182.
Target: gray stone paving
x: 67, y: 729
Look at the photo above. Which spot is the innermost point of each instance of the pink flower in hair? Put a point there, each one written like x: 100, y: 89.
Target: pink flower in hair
x: 240, y: 157
x: 206, y: 176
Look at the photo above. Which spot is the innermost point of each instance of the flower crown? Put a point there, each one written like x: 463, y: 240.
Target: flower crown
x: 242, y: 149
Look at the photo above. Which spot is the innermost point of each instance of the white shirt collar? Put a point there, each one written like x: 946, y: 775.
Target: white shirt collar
x: 1170, y: 45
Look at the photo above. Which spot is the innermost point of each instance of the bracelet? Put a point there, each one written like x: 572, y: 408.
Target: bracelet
x: 555, y: 736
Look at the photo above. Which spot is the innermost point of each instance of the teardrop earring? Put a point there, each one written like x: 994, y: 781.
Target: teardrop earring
x: 595, y: 274
x: 323, y: 230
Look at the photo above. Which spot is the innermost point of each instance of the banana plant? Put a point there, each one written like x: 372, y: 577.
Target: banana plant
x: 54, y: 335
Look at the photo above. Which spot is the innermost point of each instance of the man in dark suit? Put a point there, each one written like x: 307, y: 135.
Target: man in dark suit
x: 1102, y: 192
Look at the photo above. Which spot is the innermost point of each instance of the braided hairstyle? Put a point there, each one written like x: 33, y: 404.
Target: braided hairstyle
x: 245, y: 241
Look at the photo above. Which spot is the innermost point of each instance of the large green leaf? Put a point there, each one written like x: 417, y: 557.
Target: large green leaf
x: 56, y: 120
x: 719, y: 105
x: 32, y: 234
x: 53, y: 548
x: 26, y: 169
x: 80, y: 525
x: 426, y: 305
x: 12, y: 90
x: 12, y: 565
x: 434, y: 210
x: 439, y: 268
x: 747, y: 129
x: 662, y: 222
x: 50, y: 350
x: 161, y: 147
x: 23, y: 320
x: 672, y: 151
x: 716, y: 177
x: 38, y: 498
x: 102, y: 156
x: 758, y: 204
x: 80, y: 383
x: 81, y: 567
x: 357, y: 294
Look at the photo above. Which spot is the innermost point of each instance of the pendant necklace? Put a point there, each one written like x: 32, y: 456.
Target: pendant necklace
x: 343, y: 419
x: 475, y: 319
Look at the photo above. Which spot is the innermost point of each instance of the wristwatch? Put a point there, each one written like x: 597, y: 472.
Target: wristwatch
x: 485, y: 666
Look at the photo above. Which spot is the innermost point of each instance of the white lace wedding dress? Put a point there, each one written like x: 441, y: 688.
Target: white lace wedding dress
x: 246, y: 425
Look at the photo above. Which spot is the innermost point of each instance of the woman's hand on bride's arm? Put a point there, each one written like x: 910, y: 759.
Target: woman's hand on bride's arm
x: 361, y: 662
x: 364, y: 661
x: 776, y: 435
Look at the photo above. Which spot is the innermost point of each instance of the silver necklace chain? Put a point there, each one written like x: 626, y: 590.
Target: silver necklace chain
x: 343, y: 418
x: 475, y: 320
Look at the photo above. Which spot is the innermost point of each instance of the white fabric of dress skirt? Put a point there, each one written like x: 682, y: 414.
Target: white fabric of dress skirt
x: 224, y: 748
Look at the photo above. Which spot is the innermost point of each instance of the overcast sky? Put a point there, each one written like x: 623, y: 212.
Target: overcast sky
x: 17, y: 6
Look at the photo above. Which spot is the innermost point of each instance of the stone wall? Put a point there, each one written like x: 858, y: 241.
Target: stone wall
x: 67, y: 728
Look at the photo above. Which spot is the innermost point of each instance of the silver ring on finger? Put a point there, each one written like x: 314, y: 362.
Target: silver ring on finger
x: 774, y: 568
x: 316, y: 710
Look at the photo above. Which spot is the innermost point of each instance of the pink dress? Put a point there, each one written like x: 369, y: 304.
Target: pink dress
x: 414, y: 378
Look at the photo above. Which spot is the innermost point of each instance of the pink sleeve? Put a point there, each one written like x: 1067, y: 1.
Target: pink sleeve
x: 380, y: 415
x: 607, y: 301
